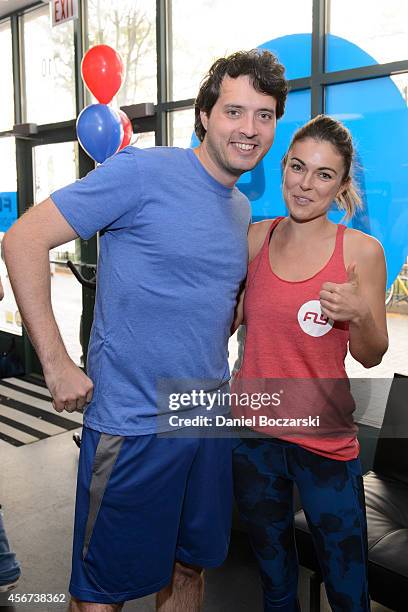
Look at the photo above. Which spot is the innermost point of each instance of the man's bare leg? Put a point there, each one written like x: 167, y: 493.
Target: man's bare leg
x: 75, y: 605
x: 185, y: 592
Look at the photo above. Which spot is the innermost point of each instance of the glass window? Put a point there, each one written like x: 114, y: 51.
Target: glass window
x: 49, y: 68
x: 55, y: 166
x: 6, y: 78
x: 376, y: 33
x: 144, y: 140
x: 376, y: 113
x: 203, y: 30
x: 181, y: 127
x: 129, y: 26
x: 401, y: 81
x: 10, y: 320
x: 8, y: 168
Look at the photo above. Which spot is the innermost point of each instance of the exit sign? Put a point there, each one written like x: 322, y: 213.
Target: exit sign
x: 63, y: 10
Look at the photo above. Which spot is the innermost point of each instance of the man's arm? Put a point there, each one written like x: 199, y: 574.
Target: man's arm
x: 26, y: 249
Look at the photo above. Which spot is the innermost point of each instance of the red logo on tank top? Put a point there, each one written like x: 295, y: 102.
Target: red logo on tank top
x: 318, y: 318
x: 312, y: 321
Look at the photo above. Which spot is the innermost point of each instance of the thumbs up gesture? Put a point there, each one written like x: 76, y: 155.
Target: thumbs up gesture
x: 343, y: 302
x: 352, y: 276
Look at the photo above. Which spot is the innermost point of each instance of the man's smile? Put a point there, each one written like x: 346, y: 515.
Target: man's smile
x: 244, y: 146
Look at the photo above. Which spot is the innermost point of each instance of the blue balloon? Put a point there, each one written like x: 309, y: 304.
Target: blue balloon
x: 99, y: 131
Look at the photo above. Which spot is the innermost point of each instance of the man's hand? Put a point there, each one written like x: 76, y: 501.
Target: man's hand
x: 343, y: 302
x: 70, y: 388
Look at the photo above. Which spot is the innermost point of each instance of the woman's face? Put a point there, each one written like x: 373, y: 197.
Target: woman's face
x: 312, y: 178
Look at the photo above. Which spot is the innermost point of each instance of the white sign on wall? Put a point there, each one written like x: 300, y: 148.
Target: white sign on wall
x: 63, y: 10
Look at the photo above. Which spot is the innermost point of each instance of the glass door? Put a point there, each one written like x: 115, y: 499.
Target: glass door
x: 54, y: 166
x: 10, y: 320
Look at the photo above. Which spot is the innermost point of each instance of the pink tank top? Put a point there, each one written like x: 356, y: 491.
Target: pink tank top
x: 288, y: 338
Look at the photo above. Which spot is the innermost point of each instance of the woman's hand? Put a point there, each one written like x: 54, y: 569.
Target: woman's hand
x: 344, y: 301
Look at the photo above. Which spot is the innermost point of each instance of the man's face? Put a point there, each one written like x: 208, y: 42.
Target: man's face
x: 240, y: 129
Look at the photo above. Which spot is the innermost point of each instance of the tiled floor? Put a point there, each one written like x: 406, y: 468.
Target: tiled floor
x: 27, y: 415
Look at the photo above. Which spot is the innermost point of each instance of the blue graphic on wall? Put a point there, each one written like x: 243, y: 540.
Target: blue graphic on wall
x: 377, y: 115
x: 8, y: 209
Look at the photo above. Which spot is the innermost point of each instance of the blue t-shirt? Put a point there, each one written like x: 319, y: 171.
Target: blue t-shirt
x: 172, y: 255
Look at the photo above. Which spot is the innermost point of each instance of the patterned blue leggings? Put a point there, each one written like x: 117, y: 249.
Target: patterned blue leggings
x: 332, y: 497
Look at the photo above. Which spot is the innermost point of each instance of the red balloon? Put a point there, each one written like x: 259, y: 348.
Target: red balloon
x: 103, y: 72
x: 127, y: 129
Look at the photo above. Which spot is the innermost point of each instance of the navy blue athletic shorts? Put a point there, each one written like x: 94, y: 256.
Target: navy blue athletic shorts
x: 143, y: 502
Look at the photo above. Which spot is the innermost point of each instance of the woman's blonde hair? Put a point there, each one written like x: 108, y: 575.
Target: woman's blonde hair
x: 326, y: 129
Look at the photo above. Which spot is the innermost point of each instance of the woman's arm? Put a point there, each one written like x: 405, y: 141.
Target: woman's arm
x: 256, y: 237
x: 361, y: 300
x: 368, y: 328
x: 239, y: 310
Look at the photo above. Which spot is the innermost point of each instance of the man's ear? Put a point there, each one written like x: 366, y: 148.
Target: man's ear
x: 204, y: 119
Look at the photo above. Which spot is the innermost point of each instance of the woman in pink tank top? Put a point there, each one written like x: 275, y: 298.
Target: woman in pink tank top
x: 314, y: 290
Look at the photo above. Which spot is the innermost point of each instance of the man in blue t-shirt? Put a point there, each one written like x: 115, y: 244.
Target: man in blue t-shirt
x: 153, y: 510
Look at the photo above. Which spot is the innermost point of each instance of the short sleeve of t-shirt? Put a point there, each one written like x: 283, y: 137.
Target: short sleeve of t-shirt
x: 104, y: 196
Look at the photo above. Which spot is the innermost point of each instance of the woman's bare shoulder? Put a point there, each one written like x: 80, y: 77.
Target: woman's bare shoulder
x: 357, y: 239
x: 361, y: 246
x: 260, y: 228
x: 256, y: 236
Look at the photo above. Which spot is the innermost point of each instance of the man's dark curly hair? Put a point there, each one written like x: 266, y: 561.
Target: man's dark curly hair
x: 264, y: 70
